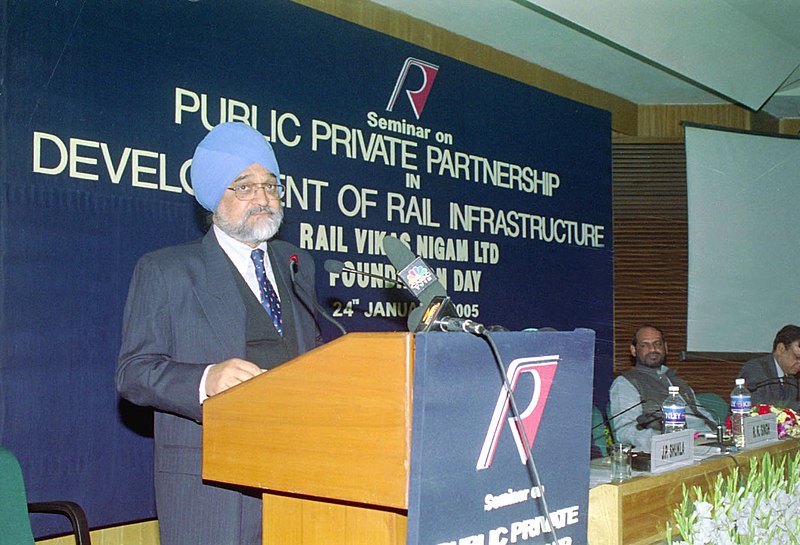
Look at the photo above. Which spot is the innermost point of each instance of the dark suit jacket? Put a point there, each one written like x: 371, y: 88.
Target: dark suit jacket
x: 184, y: 311
x: 761, y: 378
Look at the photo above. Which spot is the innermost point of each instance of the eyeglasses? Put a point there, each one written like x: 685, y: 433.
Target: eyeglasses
x: 647, y: 345
x: 247, y: 192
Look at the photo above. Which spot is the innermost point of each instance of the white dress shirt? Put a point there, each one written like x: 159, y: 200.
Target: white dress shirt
x: 239, y: 254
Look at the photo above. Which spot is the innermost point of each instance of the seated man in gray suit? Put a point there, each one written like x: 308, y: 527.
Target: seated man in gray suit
x: 205, y: 316
x: 644, y: 388
x: 772, y: 379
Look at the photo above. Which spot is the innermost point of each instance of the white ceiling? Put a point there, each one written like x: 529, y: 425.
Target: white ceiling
x: 744, y: 52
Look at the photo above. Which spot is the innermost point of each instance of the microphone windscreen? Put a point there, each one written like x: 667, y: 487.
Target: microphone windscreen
x: 397, y: 253
x: 333, y: 266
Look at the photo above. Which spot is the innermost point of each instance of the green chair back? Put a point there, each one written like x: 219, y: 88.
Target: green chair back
x: 715, y: 404
x: 15, y: 523
x: 599, y: 432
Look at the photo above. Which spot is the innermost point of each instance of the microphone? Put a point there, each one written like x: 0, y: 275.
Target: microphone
x: 770, y: 381
x: 416, y: 275
x: 451, y: 323
x: 650, y: 417
x: 653, y: 419
x: 650, y: 420
x: 719, y: 440
x: 607, y: 421
x: 337, y: 267
x: 294, y: 263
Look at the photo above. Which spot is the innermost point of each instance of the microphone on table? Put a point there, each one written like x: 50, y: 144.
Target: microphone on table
x: 780, y: 381
x: 720, y: 427
x: 305, y: 297
x: 607, y: 421
x: 652, y: 420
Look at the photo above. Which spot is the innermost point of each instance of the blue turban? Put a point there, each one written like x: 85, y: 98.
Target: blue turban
x: 222, y: 155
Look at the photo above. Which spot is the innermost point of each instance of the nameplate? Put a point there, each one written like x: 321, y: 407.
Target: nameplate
x: 760, y: 429
x: 671, y: 450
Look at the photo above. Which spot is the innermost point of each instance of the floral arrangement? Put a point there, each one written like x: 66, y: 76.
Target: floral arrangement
x: 761, y: 509
x: 788, y: 420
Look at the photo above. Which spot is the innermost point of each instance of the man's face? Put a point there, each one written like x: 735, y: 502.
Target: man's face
x: 650, y: 349
x: 253, y: 221
x: 788, y: 357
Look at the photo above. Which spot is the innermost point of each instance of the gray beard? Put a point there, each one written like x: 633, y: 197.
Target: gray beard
x: 252, y: 233
x: 644, y: 363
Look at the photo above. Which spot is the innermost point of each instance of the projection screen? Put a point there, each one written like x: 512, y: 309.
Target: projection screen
x: 743, y: 193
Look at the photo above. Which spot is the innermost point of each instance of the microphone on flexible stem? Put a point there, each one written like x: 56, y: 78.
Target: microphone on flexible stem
x: 720, y: 429
x: 768, y: 382
x: 607, y: 421
x: 650, y: 420
x: 294, y: 262
x: 653, y: 420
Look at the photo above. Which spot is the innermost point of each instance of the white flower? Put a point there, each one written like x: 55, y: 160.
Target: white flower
x: 704, y: 531
x: 742, y: 526
x: 723, y: 538
x: 762, y: 511
x: 703, y: 509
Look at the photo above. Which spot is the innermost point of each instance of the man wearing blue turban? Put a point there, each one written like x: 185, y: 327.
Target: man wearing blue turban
x: 205, y: 316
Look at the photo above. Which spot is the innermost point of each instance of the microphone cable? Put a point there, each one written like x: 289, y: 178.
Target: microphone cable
x: 533, y: 473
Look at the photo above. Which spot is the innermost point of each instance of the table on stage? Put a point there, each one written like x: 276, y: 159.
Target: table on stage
x: 635, y: 511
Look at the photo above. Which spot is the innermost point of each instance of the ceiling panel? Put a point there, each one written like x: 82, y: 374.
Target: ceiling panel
x: 645, y: 51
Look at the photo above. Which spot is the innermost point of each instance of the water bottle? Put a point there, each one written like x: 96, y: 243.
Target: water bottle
x: 674, y: 410
x: 740, y: 409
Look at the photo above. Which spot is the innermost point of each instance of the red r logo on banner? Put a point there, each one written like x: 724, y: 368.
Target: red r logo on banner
x: 542, y: 370
x: 417, y: 97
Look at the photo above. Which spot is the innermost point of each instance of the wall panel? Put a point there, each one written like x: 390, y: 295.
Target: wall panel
x: 651, y: 258
x: 660, y: 120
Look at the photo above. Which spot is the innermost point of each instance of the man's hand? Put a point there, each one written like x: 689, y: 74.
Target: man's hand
x: 229, y: 373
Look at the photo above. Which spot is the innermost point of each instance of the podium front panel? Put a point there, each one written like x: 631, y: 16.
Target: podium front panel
x: 468, y: 482
x: 334, y: 423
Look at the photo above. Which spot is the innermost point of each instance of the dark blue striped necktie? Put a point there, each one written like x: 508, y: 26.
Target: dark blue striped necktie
x: 269, y: 299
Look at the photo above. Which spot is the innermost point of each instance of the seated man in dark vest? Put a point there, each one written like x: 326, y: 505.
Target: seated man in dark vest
x: 644, y: 388
x: 772, y: 379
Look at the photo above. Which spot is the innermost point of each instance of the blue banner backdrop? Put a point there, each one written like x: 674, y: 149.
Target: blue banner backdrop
x: 504, y: 189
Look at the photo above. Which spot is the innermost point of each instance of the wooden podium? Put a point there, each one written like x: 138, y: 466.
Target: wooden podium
x: 326, y: 437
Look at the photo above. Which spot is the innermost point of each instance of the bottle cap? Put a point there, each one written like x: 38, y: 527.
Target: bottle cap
x: 739, y: 382
x: 674, y: 389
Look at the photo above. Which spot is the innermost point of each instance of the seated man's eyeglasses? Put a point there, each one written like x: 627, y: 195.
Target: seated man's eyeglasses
x: 247, y: 192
